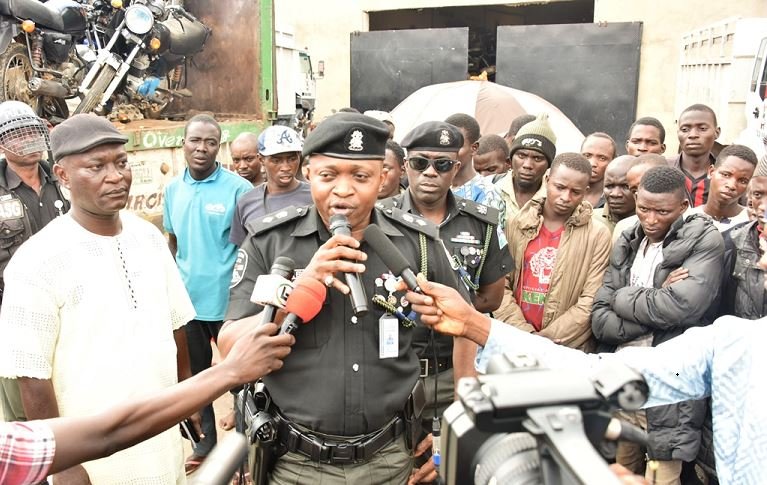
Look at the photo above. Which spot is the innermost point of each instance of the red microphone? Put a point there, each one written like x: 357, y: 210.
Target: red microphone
x: 303, y: 304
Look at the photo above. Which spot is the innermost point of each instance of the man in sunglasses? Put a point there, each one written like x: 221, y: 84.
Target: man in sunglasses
x: 476, y: 247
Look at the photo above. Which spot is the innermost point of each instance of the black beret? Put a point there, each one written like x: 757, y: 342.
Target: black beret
x: 434, y: 136
x: 81, y: 133
x: 348, y: 135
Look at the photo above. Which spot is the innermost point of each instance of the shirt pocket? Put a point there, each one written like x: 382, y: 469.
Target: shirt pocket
x: 11, y: 232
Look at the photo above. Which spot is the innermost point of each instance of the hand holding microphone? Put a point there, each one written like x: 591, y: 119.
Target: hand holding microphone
x: 272, y: 290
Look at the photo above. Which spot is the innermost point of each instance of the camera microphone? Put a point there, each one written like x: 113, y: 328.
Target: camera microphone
x: 623, y: 431
x: 391, y: 256
x: 304, y: 303
x: 272, y: 290
x: 339, y: 224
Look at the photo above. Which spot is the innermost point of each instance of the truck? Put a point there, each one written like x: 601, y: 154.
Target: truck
x: 249, y: 76
x: 724, y: 65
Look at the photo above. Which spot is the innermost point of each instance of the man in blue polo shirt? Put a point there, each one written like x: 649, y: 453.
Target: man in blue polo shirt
x: 197, y: 215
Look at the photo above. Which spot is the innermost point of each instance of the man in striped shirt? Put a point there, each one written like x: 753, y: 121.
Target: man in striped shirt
x: 697, y: 131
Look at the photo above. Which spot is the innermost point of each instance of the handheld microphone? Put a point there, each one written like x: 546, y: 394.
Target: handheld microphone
x: 339, y: 224
x: 304, y: 303
x: 272, y: 290
x: 223, y: 461
x: 391, y: 256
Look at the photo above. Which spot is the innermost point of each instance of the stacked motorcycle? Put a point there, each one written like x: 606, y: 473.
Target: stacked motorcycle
x: 122, y: 58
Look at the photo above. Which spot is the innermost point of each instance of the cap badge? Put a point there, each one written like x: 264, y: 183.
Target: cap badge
x: 528, y: 142
x: 355, y: 142
x: 444, y: 138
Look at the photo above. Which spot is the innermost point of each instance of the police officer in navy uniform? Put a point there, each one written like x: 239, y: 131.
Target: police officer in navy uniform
x: 346, y: 397
x: 477, y: 249
x: 30, y: 197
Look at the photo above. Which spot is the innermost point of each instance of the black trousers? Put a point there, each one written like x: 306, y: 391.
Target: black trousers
x: 198, y: 337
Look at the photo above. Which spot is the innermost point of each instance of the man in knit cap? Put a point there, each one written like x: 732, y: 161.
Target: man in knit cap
x: 531, y: 153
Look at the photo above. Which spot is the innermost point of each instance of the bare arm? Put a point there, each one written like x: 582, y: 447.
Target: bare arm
x: 489, y: 297
x: 172, y: 244
x: 183, y: 367
x: 80, y: 439
x: 38, y: 398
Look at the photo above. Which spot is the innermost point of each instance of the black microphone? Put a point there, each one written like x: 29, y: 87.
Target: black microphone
x: 339, y: 224
x: 391, y: 256
x: 282, y: 267
x: 621, y: 430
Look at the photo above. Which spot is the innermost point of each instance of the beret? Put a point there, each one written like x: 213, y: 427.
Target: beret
x: 81, y: 133
x: 434, y: 136
x: 352, y: 136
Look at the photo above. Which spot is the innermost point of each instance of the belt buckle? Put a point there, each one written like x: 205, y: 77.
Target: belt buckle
x: 341, y: 453
x: 424, y: 367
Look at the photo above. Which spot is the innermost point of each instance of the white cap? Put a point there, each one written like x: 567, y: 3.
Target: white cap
x: 384, y: 116
x: 279, y: 139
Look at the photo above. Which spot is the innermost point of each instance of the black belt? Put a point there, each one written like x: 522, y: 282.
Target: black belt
x: 443, y: 364
x: 337, y: 452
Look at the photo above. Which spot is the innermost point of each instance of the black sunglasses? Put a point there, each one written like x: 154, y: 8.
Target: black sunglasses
x: 441, y: 165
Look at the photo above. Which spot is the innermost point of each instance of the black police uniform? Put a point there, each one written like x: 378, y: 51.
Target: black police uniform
x: 22, y: 213
x: 477, y: 260
x: 334, y: 382
x: 341, y: 408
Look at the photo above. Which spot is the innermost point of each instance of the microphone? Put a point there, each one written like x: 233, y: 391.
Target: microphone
x: 391, y: 256
x: 304, y: 303
x: 223, y: 461
x: 621, y: 430
x: 339, y: 224
x: 272, y: 290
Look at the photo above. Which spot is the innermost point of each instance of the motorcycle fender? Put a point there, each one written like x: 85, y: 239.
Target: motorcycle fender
x: 9, y: 29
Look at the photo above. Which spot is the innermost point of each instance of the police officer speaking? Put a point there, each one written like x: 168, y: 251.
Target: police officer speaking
x: 476, y: 248
x: 347, y: 401
x: 30, y: 198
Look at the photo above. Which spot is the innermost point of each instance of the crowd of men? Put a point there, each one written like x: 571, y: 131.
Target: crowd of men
x: 591, y: 250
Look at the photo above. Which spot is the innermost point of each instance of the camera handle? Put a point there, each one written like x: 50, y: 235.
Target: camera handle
x: 567, y: 456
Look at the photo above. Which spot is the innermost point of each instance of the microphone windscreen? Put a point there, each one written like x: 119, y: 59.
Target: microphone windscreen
x: 306, y: 299
x: 386, y: 250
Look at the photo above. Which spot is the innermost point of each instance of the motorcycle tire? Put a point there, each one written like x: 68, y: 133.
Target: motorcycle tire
x: 15, y: 73
x: 99, y: 86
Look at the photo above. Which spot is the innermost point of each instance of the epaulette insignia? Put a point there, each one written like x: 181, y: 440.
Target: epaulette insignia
x: 485, y: 213
x: 275, y: 219
x: 412, y: 221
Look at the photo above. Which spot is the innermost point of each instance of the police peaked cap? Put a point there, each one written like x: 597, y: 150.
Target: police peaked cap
x: 351, y: 136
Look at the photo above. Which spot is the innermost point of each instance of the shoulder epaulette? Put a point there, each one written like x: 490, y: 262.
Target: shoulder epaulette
x: 389, y: 203
x: 485, y: 213
x: 270, y: 221
x: 411, y: 221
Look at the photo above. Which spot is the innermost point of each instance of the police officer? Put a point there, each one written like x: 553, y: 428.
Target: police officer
x: 30, y: 197
x: 345, y: 395
x: 476, y: 247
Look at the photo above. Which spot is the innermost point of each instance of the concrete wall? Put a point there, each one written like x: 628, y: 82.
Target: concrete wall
x: 325, y: 27
x: 664, y: 24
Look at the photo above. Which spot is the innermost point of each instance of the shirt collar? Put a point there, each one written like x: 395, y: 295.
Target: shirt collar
x: 210, y: 178
x: 14, y: 181
x: 312, y: 224
x: 452, y: 206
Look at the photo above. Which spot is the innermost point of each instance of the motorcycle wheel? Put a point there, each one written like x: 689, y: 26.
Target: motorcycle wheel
x: 15, y: 73
x: 92, y: 99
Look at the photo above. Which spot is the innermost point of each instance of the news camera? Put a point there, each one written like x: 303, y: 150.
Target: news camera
x: 522, y: 423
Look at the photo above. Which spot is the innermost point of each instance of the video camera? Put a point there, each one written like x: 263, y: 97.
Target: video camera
x: 525, y: 424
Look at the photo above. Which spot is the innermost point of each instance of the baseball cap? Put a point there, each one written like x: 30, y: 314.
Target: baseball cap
x: 279, y: 139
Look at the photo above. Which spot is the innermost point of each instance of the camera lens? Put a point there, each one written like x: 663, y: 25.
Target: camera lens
x: 510, y: 458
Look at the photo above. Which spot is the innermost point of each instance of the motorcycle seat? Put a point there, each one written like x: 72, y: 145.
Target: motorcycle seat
x: 50, y: 15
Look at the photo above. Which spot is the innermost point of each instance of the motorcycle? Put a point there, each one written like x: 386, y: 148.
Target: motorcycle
x: 106, y: 53
x: 147, y: 41
x: 39, y: 64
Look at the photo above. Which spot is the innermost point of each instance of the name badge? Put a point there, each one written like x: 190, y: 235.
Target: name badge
x: 388, y: 337
x: 11, y: 209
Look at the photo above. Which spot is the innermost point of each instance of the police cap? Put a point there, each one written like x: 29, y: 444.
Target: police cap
x: 434, y: 136
x: 348, y: 135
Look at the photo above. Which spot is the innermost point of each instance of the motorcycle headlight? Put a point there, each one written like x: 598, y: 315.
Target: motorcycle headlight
x: 139, y: 19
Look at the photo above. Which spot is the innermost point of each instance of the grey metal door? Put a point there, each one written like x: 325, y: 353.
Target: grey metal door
x: 589, y: 71
x: 387, y: 66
